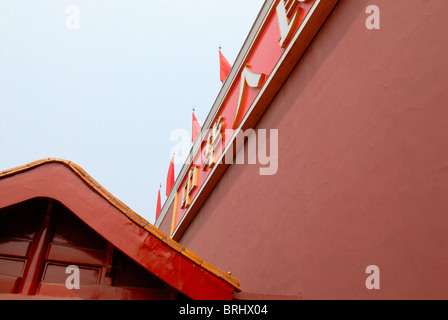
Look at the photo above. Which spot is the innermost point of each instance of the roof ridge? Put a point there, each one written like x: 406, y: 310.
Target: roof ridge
x: 128, y: 212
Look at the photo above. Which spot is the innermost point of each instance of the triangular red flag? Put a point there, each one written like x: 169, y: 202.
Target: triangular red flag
x: 159, y: 205
x: 170, y: 177
x: 195, y: 128
x: 224, y: 67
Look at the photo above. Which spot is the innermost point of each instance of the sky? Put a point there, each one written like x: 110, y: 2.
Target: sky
x: 105, y: 83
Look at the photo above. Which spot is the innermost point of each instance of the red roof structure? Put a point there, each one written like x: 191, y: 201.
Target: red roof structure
x: 53, y: 214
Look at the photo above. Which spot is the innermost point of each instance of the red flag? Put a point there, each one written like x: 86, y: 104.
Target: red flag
x: 170, y: 177
x: 224, y: 67
x: 159, y: 205
x: 195, y: 128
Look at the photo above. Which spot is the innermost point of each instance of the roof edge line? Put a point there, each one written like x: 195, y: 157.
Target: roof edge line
x: 128, y: 212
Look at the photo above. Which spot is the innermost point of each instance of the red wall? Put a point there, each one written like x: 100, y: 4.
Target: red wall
x: 362, y: 176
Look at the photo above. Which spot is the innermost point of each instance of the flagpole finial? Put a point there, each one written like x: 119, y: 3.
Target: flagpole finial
x: 160, y: 185
x: 193, y: 109
x: 220, y: 47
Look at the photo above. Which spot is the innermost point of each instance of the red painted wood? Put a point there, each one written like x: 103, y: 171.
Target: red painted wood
x: 12, y: 266
x: 46, y: 264
x: 9, y: 284
x: 55, y: 273
x: 56, y: 181
x: 78, y: 256
x: 102, y: 292
x: 14, y: 247
x: 34, y: 266
x: 22, y: 224
x: 71, y: 231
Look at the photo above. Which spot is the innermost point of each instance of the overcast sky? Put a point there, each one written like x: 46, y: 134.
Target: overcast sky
x: 107, y: 90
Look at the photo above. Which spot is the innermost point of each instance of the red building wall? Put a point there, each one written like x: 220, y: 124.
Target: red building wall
x: 362, y: 176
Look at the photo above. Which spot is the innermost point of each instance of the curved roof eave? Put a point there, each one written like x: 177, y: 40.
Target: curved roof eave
x: 126, y: 211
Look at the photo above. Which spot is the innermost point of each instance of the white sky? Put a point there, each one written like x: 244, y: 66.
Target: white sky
x: 108, y: 95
